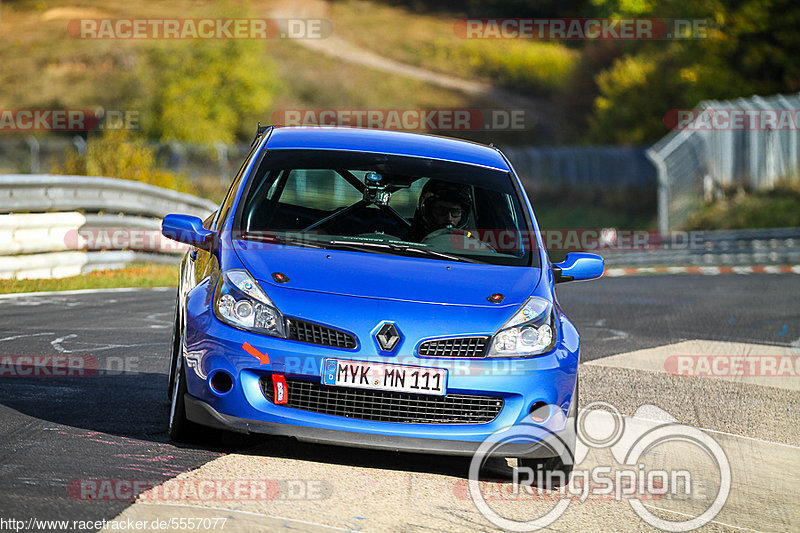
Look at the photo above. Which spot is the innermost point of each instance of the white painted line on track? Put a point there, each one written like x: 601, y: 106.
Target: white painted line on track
x: 14, y: 337
x: 703, y: 270
x: 84, y: 291
x: 691, y: 516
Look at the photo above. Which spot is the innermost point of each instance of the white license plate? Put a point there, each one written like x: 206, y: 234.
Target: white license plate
x: 383, y: 376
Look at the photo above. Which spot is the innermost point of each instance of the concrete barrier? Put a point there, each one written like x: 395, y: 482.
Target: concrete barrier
x: 54, y: 226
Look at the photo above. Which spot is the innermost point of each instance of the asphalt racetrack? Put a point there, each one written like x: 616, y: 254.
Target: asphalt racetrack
x: 74, y: 446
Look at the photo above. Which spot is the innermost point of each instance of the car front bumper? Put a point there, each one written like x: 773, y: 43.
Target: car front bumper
x: 211, y: 346
x: 202, y: 413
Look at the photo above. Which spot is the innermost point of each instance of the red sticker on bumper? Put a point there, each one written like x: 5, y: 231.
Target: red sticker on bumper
x: 280, y: 392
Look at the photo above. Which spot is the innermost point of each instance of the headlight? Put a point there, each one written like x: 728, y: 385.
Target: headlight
x: 241, y: 303
x: 529, y: 332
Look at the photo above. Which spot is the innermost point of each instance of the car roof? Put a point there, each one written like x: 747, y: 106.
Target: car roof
x: 385, y: 142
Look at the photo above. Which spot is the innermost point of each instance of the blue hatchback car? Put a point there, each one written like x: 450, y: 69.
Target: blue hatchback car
x: 373, y: 289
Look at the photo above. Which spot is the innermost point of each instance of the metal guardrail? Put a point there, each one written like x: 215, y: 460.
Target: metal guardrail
x: 58, y: 243
x: 36, y: 193
x: 582, y: 167
x: 774, y: 246
x: 42, y: 234
x: 696, y: 161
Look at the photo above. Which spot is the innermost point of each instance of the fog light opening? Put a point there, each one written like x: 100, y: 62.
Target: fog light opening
x: 221, y: 382
x: 540, y: 411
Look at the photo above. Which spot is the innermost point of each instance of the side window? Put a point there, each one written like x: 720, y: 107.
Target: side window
x: 222, y: 213
x: 225, y: 208
x: 208, y: 223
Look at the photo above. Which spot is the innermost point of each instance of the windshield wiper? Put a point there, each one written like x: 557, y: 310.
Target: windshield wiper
x: 282, y: 239
x: 352, y: 245
x: 399, y: 247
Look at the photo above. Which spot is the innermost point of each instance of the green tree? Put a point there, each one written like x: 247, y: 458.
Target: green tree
x: 751, y: 48
x: 119, y: 154
x: 205, y: 91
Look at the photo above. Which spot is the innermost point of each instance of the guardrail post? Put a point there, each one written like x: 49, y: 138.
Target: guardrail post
x: 222, y: 158
x: 663, y: 191
x: 176, y: 156
x: 80, y: 144
x: 33, y: 144
x: 771, y: 166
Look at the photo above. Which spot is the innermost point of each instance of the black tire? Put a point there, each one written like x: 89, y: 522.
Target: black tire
x: 175, y: 349
x: 555, y: 472
x: 559, y: 471
x: 181, y: 429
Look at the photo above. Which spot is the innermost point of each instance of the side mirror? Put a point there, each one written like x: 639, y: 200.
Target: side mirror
x: 578, y: 266
x: 188, y: 230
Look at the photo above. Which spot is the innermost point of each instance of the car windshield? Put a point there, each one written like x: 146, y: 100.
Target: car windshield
x: 387, y: 204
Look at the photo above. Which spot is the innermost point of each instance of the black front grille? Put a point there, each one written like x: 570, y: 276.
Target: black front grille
x: 311, y: 333
x: 455, y: 347
x: 385, y: 406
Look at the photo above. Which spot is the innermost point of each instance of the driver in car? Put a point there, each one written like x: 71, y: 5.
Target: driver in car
x: 441, y: 205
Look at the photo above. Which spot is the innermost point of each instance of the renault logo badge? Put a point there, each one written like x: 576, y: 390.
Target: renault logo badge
x: 387, y: 337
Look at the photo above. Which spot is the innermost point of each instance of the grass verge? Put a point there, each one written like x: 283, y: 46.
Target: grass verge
x: 136, y: 275
x: 778, y: 208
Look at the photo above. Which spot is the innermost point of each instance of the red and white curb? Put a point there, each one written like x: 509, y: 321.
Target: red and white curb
x: 708, y: 271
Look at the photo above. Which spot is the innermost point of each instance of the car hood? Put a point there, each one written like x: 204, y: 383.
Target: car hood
x: 387, y: 277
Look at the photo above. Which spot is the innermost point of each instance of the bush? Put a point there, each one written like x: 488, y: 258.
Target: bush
x: 778, y: 208
x: 543, y: 68
x: 117, y: 154
x: 205, y: 92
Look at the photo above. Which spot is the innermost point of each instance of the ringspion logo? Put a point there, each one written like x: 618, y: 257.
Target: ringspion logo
x: 631, y: 475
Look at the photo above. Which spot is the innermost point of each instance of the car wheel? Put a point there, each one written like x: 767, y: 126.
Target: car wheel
x: 559, y: 471
x: 555, y: 472
x: 175, y: 349
x: 181, y: 429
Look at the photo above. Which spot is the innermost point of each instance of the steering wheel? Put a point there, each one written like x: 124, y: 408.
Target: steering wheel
x: 452, y: 237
